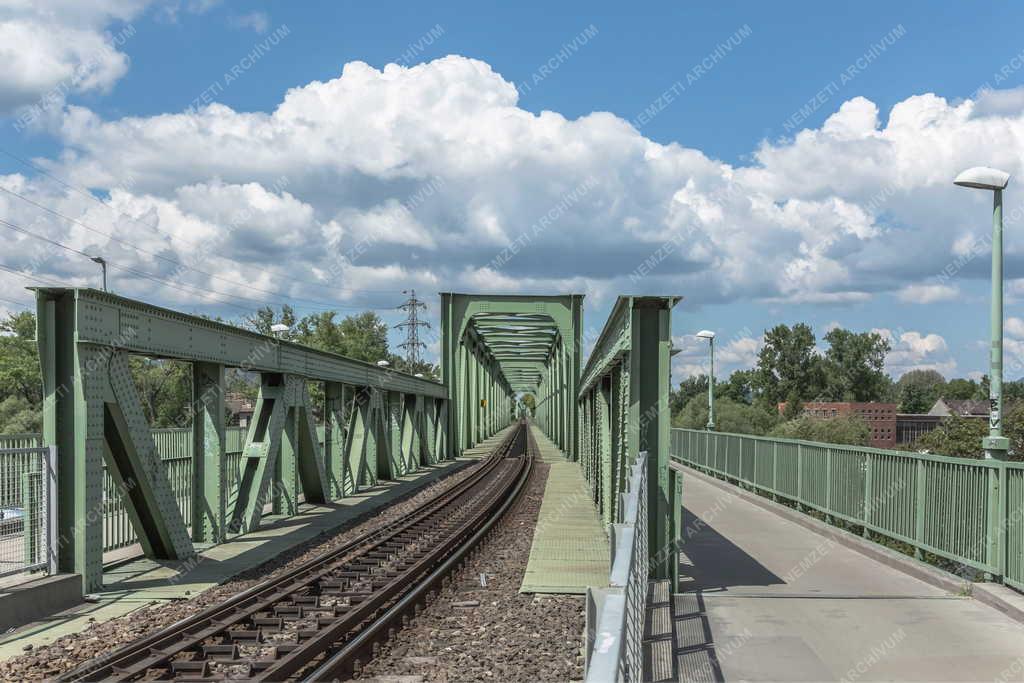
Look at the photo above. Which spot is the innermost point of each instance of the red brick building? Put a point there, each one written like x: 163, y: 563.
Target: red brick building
x: 881, y: 418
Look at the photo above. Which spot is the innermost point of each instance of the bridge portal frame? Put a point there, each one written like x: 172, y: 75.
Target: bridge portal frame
x: 494, y: 346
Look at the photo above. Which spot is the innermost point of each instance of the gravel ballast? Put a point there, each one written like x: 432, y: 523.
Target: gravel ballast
x: 477, y: 632
x: 67, y: 652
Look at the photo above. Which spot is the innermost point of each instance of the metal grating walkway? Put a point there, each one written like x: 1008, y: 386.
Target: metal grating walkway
x: 570, y: 548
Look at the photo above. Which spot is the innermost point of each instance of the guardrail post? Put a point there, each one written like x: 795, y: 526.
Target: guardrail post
x: 919, y: 491
x: 995, y: 552
x: 868, y: 493
x: 799, y: 478
x: 1003, y: 520
x: 828, y: 485
x: 775, y: 472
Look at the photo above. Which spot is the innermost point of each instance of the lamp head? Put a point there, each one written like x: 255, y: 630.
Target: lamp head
x: 706, y: 334
x: 279, y: 327
x: 418, y: 375
x: 983, y: 178
x: 97, y: 259
x: 383, y: 364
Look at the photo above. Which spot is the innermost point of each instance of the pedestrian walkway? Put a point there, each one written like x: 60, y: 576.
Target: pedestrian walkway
x: 570, y: 548
x: 141, y: 582
x: 766, y: 599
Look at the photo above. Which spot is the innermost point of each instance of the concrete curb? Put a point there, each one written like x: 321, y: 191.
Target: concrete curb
x: 1002, y: 598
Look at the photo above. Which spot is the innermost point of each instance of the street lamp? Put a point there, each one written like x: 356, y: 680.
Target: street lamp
x: 710, y: 336
x: 983, y: 178
x: 279, y: 330
x: 103, y: 264
x: 383, y: 364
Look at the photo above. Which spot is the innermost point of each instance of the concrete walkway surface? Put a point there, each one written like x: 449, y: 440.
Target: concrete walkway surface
x: 765, y: 599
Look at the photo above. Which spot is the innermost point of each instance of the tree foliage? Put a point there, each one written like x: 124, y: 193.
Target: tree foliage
x: 730, y: 416
x: 788, y: 365
x: 849, y: 429
x: 955, y: 435
x: 853, y: 366
x: 917, y: 390
x: 695, y: 385
x: 19, y: 359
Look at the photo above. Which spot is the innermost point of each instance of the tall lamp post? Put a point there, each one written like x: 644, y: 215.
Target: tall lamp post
x: 710, y: 336
x: 103, y: 264
x: 982, y: 178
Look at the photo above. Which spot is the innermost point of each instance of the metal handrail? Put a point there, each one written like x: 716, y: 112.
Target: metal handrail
x: 966, y: 511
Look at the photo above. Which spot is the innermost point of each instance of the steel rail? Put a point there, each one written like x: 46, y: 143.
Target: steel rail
x: 190, y: 635
x: 342, y: 662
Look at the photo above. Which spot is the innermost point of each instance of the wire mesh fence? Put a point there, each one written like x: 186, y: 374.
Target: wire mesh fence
x: 28, y: 515
x: 616, y: 615
x: 174, y: 445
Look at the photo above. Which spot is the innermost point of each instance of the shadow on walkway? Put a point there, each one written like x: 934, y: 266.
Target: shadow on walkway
x: 712, y: 562
x: 696, y: 659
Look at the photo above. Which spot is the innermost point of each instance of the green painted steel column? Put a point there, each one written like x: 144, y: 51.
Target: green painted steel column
x: 649, y: 374
x: 336, y: 397
x: 395, y: 405
x: 79, y: 468
x: 286, y: 474
x: 208, y: 458
x: 575, y: 369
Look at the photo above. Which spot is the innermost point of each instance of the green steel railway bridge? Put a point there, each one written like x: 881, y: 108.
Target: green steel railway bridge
x: 703, y: 556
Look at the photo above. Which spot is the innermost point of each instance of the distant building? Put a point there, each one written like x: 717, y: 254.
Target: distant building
x: 240, y: 409
x: 909, y: 427
x: 881, y: 417
x: 946, y: 407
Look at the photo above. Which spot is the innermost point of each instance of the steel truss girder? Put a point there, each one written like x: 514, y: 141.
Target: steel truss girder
x: 84, y: 337
x: 623, y: 403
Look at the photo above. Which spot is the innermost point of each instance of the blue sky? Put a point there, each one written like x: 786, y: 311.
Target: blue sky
x: 852, y: 224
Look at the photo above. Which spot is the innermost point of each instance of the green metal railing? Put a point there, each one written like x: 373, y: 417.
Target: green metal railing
x: 967, y: 511
x: 175, y: 448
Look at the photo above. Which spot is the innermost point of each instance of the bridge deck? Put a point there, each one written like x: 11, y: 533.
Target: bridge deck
x: 570, y: 548
x: 767, y: 599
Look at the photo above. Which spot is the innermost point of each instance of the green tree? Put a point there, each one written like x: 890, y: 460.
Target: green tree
x: 739, y: 387
x: 956, y: 436
x: 853, y: 365
x: 730, y: 416
x: 788, y: 365
x: 962, y: 389
x: 794, y: 407
x: 530, y: 401
x: 264, y: 318
x: 425, y: 368
x: 165, y: 389
x: 18, y: 416
x: 917, y: 390
x: 695, y: 385
x: 1013, y: 391
x: 19, y: 359
x: 849, y: 429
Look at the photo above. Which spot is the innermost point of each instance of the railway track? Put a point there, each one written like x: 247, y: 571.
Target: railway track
x: 322, y: 619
